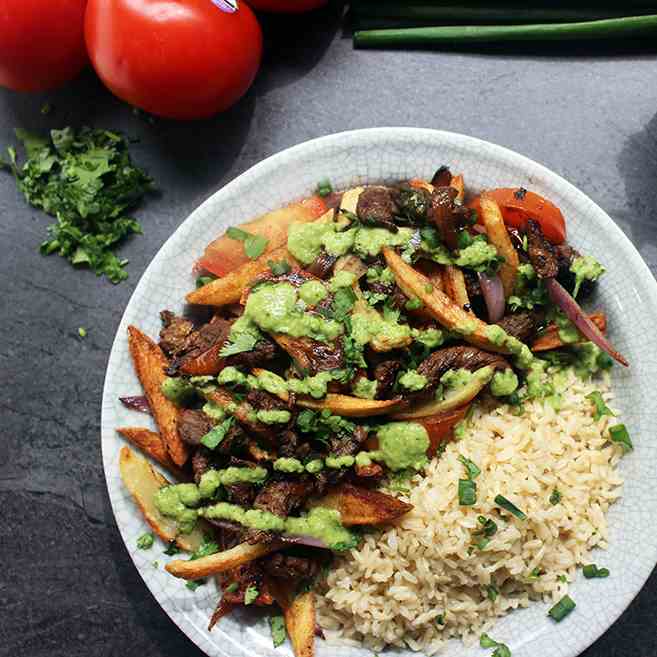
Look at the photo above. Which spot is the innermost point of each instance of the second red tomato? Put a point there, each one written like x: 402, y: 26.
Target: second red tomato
x: 181, y: 59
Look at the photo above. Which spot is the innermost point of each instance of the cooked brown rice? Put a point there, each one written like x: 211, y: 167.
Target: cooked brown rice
x: 394, y: 588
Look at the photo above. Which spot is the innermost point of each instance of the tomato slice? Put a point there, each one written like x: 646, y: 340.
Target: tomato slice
x: 225, y: 254
x: 441, y: 427
x: 518, y: 205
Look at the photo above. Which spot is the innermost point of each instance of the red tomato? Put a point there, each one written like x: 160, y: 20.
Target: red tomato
x: 181, y: 59
x: 440, y: 428
x: 41, y: 43
x: 286, y: 6
x: 519, y: 205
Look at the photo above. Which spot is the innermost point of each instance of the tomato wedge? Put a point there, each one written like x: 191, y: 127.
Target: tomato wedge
x: 441, y: 427
x: 518, y: 205
x: 225, y: 254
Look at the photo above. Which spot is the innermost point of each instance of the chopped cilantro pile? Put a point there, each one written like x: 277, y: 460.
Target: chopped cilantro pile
x: 87, y: 181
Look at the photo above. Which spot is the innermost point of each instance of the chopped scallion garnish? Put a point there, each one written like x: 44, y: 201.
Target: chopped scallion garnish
x: 509, y: 506
x: 324, y: 187
x: 618, y: 434
x: 600, y: 408
x: 562, y: 608
x: 591, y: 571
x: 467, y: 492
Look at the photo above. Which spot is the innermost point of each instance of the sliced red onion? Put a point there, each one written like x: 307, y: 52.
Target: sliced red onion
x: 562, y: 298
x: 493, y: 291
x: 139, y: 403
x: 302, y: 539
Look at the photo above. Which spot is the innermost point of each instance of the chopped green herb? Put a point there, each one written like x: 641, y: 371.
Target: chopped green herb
x: 324, y: 187
x: 501, y: 650
x: 280, y: 267
x: 207, y: 547
x: 278, y: 632
x: 216, y: 434
x: 535, y: 574
x: 464, y: 239
x: 562, y: 578
x: 467, y: 492
x: 440, y: 619
x: 145, y: 541
x: 555, y: 497
x: 492, y: 592
x: 172, y: 549
x: 204, y: 280
x: 86, y: 180
x: 562, y: 608
x: 618, y: 434
x: 156, y: 564
x: 254, y: 245
x: 413, y: 304
x: 343, y: 301
x: 240, y: 343
x: 46, y: 109
x: 232, y: 587
x: 82, y: 332
x: 600, y: 407
x: 192, y: 585
x: 250, y: 595
x: 472, y: 469
x: 591, y: 571
x: 509, y: 506
x: 428, y: 288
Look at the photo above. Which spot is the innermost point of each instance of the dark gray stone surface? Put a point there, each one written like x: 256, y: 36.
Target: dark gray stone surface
x: 67, y: 586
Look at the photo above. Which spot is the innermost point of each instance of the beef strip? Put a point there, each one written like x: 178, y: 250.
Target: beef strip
x: 413, y: 203
x: 565, y: 256
x: 376, y: 207
x: 523, y: 325
x: 264, y: 401
x: 322, y: 266
x: 282, y: 496
x: 385, y: 374
x: 442, y: 177
x: 246, y: 576
x: 340, y: 445
x: 193, y: 425
x: 442, y: 214
x: 288, y: 443
x: 461, y: 357
x: 215, y: 332
x: 542, y: 254
x: 288, y: 566
x: 242, y: 494
x: 233, y: 442
x: 174, y: 333
x: 201, y: 462
x: 264, y: 352
x: 313, y: 356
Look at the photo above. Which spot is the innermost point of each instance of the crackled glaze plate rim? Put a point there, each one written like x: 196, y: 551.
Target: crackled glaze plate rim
x: 384, y: 154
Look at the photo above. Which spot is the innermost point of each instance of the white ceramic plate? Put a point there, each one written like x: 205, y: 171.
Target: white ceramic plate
x: 628, y: 294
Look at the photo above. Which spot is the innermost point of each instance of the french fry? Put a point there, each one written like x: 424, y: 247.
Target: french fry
x: 438, y: 304
x: 499, y: 237
x: 349, y: 201
x: 228, y: 289
x: 550, y: 338
x: 454, y: 285
x: 362, y: 506
x: 150, y: 362
x: 299, y: 614
x: 143, y: 482
x: 151, y: 444
x: 220, y: 561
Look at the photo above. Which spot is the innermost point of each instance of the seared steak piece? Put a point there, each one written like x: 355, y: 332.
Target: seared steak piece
x: 263, y: 401
x: 174, y: 333
x: 233, y: 442
x: 472, y: 285
x: 201, y: 462
x: 413, y: 203
x: 452, y: 358
x: 376, y: 207
x: 322, y: 266
x: 523, y: 325
x: 442, y: 177
x: 246, y: 576
x: 264, y: 352
x: 241, y: 494
x: 193, y: 425
x: 288, y: 443
x: 442, y: 213
x: 542, y: 253
x: 313, y: 356
x: 282, y: 497
x: 385, y: 374
x: 288, y: 566
x: 348, y: 444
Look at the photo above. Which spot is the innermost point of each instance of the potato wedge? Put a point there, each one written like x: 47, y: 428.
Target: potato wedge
x: 491, y: 217
x: 349, y: 406
x: 224, y: 254
x: 461, y: 396
x: 438, y: 304
x: 441, y: 427
x: 349, y: 201
x: 550, y: 337
x: 454, y: 285
x: 151, y: 444
x: 143, y: 482
x: 229, y: 288
x: 150, y: 362
x: 220, y: 561
x: 362, y: 506
x: 299, y: 613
